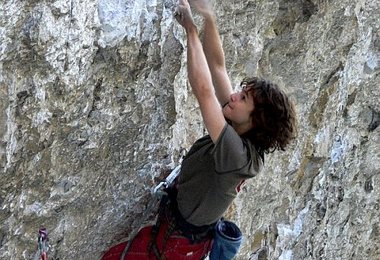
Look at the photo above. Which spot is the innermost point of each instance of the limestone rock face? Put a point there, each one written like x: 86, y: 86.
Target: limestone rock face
x: 95, y: 108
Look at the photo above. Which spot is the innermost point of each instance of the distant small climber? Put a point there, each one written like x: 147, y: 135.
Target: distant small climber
x: 42, y: 245
x: 241, y: 126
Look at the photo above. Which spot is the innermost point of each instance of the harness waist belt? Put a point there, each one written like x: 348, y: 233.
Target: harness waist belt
x: 190, y: 231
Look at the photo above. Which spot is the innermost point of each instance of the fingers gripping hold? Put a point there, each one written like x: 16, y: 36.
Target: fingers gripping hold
x: 182, y: 6
x: 183, y: 14
x: 178, y: 14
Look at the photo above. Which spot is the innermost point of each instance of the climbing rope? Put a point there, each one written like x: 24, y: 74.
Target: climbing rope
x: 158, y: 192
x: 152, y: 204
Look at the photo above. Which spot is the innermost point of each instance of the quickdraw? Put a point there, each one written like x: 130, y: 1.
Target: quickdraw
x: 159, y: 189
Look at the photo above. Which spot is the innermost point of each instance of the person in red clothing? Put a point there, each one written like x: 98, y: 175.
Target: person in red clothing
x: 241, y: 127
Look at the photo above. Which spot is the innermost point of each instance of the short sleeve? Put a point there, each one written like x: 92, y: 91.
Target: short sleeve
x: 232, y: 153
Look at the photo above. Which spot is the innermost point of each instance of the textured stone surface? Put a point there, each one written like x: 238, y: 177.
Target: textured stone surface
x: 94, y: 106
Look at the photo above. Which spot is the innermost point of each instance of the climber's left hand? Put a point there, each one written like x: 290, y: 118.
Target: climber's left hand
x: 183, y: 15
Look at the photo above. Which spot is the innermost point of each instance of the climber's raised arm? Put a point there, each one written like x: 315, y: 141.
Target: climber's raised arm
x: 213, y: 50
x: 199, y: 74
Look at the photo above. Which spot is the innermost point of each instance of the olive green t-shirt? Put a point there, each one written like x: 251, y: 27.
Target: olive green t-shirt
x: 211, y: 173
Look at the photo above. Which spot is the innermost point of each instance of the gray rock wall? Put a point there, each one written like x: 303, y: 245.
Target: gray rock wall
x: 95, y: 107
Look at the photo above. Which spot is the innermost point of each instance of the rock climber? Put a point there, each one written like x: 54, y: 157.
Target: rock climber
x: 241, y: 126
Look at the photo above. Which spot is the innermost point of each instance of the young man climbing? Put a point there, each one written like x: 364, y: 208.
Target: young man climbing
x: 241, y: 127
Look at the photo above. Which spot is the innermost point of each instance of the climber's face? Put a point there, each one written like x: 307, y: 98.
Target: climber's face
x: 239, y: 109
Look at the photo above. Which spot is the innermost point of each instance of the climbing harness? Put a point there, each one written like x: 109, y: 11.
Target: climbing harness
x: 43, y: 243
x: 174, y: 223
x: 166, y: 192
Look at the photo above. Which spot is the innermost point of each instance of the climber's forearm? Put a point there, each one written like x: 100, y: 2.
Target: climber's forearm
x: 213, y: 50
x: 198, y: 70
x: 201, y: 84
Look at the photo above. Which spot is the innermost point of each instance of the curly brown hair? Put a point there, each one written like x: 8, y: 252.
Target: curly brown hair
x: 273, y: 117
